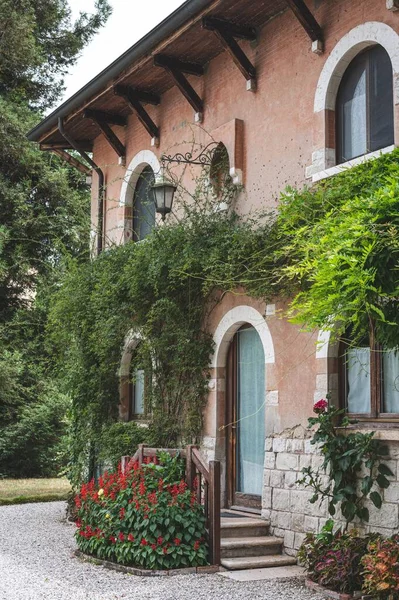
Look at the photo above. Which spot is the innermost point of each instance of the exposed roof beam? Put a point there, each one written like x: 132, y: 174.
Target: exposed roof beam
x: 85, y: 145
x: 241, y: 32
x: 168, y: 62
x: 306, y: 19
x: 176, y: 69
x: 141, y: 95
x: 106, y: 117
x: 109, y: 135
x: 72, y: 161
x: 132, y: 99
x: 226, y: 33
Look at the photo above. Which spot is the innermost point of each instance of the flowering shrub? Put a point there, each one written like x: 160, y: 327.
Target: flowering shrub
x: 334, y: 560
x: 145, y: 517
x: 381, y: 568
x: 347, y: 456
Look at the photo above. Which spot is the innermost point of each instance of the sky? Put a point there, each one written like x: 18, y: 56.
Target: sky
x: 130, y: 21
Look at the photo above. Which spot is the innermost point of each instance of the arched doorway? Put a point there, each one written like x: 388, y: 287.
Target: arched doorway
x: 245, y: 395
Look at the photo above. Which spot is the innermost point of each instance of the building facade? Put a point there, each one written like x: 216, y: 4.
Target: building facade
x: 295, y: 92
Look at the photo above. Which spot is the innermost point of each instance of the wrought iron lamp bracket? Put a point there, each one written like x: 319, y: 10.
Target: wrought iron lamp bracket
x: 204, y: 158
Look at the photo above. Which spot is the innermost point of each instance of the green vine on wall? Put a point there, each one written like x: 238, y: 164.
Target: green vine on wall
x: 332, y: 250
x: 352, y: 469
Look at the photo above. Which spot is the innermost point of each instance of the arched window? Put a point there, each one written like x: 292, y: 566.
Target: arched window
x: 143, y: 205
x: 220, y: 171
x: 364, y: 108
x: 369, y: 375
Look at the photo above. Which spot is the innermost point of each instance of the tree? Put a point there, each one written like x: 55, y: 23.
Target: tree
x: 44, y: 219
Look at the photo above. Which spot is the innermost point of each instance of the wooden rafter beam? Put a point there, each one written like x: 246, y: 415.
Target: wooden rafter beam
x: 241, y: 32
x: 306, y: 19
x: 72, y: 161
x: 141, y: 95
x: 85, y: 145
x: 226, y: 33
x: 105, y: 117
x: 176, y: 69
x: 134, y: 100
x: 168, y: 62
x: 112, y: 138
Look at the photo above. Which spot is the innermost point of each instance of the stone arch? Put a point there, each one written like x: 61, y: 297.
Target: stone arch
x: 230, y: 323
x: 356, y: 40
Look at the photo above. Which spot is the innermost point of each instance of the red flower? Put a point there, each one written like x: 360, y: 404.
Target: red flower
x: 130, y: 537
x: 144, y: 542
x: 78, y: 503
x: 196, y: 545
x: 121, y: 537
x: 165, y: 550
x: 112, y: 539
x: 153, y: 546
x: 320, y: 406
x: 160, y: 541
x: 160, y: 485
x: 122, y: 513
x: 177, y: 541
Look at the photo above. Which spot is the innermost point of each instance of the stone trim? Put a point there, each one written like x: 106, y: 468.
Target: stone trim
x: 142, y: 159
x: 230, y: 323
x: 329, y: 172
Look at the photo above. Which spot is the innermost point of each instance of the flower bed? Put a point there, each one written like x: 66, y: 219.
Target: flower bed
x: 345, y: 565
x: 145, y: 517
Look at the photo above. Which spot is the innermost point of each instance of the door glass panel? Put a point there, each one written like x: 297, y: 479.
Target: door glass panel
x: 250, y: 412
x: 143, y: 206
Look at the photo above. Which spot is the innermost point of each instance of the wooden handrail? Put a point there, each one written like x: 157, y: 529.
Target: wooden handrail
x: 200, y: 478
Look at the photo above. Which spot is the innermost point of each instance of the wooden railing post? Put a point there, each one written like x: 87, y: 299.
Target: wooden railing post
x: 214, y: 512
x: 124, y: 462
x: 190, y: 467
x: 140, y: 457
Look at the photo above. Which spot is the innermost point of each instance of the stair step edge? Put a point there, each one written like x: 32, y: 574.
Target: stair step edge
x: 242, y: 523
x: 256, y: 562
x: 251, y: 541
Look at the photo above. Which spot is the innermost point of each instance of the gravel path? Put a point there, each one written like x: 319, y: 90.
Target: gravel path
x: 36, y: 562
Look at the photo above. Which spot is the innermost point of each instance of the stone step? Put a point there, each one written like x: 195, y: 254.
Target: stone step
x: 257, y: 562
x: 245, y: 527
x: 250, y: 546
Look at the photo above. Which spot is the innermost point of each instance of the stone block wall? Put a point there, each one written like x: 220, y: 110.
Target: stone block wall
x: 286, y: 504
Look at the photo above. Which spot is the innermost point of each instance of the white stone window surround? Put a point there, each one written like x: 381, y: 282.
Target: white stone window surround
x: 356, y: 40
x: 142, y: 159
x: 350, y: 163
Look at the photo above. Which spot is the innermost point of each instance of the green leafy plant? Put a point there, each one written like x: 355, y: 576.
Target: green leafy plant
x: 145, y: 517
x: 381, y: 568
x: 334, y: 559
x: 347, y: 455
x: 120, y: 439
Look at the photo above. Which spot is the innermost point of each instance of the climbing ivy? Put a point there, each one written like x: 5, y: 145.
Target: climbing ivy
x: 331, y: 252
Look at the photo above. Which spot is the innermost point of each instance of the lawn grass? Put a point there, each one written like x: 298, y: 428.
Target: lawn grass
x: 20, y: 491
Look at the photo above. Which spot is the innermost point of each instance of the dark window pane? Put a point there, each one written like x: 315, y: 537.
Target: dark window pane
x: 364, y: 108
x: 380, y: 99
x: 358, y: 380
x: 143, y: 205
x: 391, y: 381
x: 352, y: 112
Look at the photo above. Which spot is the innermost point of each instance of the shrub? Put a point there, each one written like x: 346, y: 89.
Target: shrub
x: 381, y: 568
x: 334, y: 560
x: 145, y: 517
x: 120, y: 439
